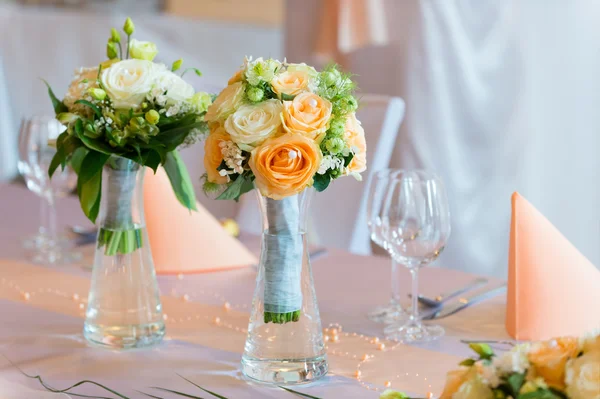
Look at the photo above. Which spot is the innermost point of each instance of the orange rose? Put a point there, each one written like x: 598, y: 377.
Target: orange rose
x: 307, y: 114
x: 355, y: 138
x: 213, y: 156
x: 549, y: 359
x: 285, y: 165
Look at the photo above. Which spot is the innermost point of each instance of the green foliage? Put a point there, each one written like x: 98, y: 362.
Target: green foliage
x: 321, y: 182
x: 176, y: 65
x: 89, y: 183
x: 180, y: 180
x: 483, y: 350
x: 542, y: 394
x: 514, y: 383
x: 196, y: 71
x: 241, y: 185
x: 58, y: 105
x: 467, y: 362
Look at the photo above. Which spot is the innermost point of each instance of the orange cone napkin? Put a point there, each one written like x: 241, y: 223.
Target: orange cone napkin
x: 184, y: 241
x: 553, y: 290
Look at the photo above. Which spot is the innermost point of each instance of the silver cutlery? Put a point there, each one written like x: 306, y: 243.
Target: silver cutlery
x: 443, y: 298
x: 464, y: 302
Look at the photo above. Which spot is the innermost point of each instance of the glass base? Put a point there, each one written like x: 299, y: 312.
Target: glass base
x: 124, y: 337
x: 414, y: 332
x: 388, y: 314
x: 285, y: 371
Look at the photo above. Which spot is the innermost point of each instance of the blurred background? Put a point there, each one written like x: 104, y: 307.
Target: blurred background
x: 500, y: 95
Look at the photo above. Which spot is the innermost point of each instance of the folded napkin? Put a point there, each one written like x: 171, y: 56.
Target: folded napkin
x: 553, y: 290
x: 184, y: 241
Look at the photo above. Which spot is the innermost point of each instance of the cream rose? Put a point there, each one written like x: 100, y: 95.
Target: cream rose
x: 213, y: 155
x: 549, y: 359
x: 142, y: 50
x: 583, y: 377
x: 253, y: 124
x: 355, y: 138
x: 127, y: 82
x: 226, y: 103
x: 292, y: 82
x: 307, y: 114
x: 285, y: 165
x: 177, y: 89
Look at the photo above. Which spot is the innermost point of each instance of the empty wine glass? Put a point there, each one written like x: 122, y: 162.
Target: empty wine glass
x: 36, y: 149
x: 416, y: 226
x: 378, y: 188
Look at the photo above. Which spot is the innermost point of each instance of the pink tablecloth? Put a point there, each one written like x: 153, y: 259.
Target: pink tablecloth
x: 348, y: 286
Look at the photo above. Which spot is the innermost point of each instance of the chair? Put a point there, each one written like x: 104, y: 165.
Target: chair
x: 338, y: 215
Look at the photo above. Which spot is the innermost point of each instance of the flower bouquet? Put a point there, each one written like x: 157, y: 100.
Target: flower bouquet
x: 121, y: 116
x: 556, y: 369
x: 282, y: 128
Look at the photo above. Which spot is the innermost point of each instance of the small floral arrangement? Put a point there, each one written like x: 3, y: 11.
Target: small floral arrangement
x: 126, y: 112
x: 282, y: 127
x: 130, y: 107
x: 556, y: 369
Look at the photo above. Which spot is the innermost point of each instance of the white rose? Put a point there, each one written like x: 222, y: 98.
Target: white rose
x: 127, y: 82
x: 226, y: 103
x: 583, y: 377
x: 253, y: 124
x: 177, y: 89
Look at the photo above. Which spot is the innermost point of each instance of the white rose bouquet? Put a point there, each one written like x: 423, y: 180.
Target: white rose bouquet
x: 127, y: 108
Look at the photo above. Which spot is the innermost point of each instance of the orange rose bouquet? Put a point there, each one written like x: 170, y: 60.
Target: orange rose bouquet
x: 282, y: 128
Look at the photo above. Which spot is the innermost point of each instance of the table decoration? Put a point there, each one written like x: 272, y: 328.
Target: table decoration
x: 127, y: 113
x: 187, y: 242
x: 283, y: 128
x: 542, y: 263
x: 559, y: 368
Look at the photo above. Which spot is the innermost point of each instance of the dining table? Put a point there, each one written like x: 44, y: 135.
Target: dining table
x: 42, y: 310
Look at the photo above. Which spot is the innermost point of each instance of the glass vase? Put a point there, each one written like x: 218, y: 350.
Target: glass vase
x: 285, y: 339
x: 124, y: 309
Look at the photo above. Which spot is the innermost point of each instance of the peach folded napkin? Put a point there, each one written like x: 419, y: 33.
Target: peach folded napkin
x: 553, y: 290
x: 184, y: 241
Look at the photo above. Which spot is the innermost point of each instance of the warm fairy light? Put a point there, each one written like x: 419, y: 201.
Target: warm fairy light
x: 381, y: 346
x: 227, y: 306
x: 75, y: 297
x: 186, y: 297
x: 26, y: 296
x: 165, y: 317
x: 180, y: 276
x: 388, y: 384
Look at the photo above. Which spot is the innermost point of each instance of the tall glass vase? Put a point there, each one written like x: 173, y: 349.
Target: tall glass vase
x: 124, y: 308
x: 285, y: 340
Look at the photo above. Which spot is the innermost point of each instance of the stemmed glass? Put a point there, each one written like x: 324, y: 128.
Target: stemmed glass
x: 36, y: 149
x: 378, y: 188
x: 416, y: 227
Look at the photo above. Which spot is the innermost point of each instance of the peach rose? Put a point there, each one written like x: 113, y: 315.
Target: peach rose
x: 355, y: 138
x: 213, y: 156
x: 285, y: 165
x: 466, y: 384
x: 307, y: 114
x: 294, y: 81
x: 583, y: 377
x: 590, y: 343
x: 226, y: 103
x: 549, y: 359
x: 237, y: 77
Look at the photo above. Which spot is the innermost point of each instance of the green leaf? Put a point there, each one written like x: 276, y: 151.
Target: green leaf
x: 237, y: 188
x: 299, y: 393
x: 92, y: 106
x: 172, y: 138
x: 58, y: 105
x: 65, y: 146
x: 205, y: 390
x: 515, y: 382
x: 177, y: 393
x: 540, y: 394
x: 98, y: 145
x: 89, y: 183
x: 348, y: 159
x: 483, y: 350
x: 467, y: 362
x: 321, y: 182
x: 77, y: 158
x: 180, y: 180
x: 196, y: 70
x: 287, y: 97
x: 153, y: 160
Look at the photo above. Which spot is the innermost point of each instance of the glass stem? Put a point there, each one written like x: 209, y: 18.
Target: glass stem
x: 52, y: 231
x: 44, y: 228
x: 395, y: 301
x: 414, y: 317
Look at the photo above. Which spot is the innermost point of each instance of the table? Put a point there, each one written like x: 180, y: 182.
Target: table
x: 43, y: 335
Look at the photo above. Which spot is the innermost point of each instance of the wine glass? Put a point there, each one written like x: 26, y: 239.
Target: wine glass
x: 377, y: 189
x: 36, y: 149
x: 416, y: 226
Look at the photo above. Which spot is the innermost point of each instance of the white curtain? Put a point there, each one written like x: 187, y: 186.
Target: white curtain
x: 502, y: 96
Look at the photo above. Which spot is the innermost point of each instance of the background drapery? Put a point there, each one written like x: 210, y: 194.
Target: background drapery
x: 501, y: 96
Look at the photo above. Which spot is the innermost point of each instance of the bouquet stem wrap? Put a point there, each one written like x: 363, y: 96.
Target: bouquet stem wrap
x: 118, y: 233
x: 282, y: 259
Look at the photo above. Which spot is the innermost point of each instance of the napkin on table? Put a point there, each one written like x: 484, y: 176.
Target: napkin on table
x: 553, y: 290
x: 184, y: 241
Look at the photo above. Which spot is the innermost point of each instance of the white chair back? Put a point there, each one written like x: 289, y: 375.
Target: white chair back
x: 339, y: 214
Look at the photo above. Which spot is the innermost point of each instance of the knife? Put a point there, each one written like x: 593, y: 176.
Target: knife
x: 465, y: 302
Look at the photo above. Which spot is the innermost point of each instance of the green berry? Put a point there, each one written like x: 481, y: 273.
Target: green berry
x: 255, y: 94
